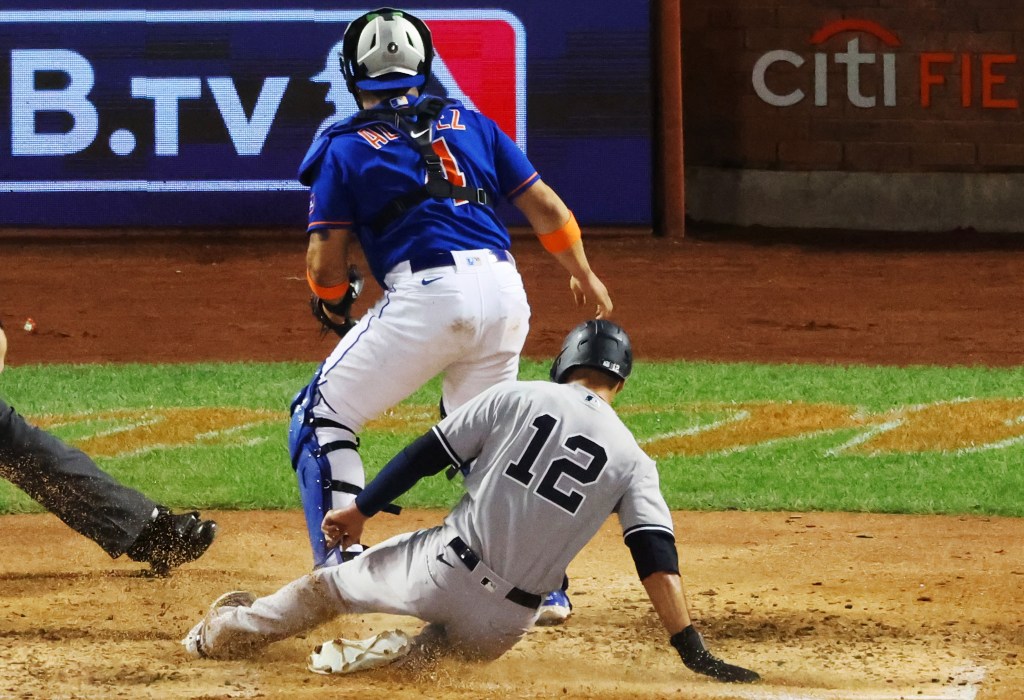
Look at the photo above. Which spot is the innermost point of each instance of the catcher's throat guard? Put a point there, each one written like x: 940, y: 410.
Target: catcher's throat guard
x: 313, y: 469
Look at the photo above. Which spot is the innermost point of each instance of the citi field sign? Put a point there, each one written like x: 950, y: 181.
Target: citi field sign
x: 784, y: 78
x: 209, y: 100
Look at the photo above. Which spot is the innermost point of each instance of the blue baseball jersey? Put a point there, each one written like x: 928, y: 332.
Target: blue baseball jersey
x: 355, y: 169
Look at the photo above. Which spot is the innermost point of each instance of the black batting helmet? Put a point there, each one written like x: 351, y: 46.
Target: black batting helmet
x: 600, y: 344
x: 386, y: 49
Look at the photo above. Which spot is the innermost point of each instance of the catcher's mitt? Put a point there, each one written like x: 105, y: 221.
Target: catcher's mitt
x: 328, y: 313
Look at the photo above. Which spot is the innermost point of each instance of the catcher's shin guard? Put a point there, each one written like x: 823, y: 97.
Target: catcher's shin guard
x: 313, y: 468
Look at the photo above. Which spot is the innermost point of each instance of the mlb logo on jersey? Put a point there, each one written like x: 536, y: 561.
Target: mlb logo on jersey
x: 480, y: 60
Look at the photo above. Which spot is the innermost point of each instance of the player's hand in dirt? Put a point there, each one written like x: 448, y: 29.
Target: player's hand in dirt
x: 591, y: 290
x: 698, y: 659
x: 343, y: 526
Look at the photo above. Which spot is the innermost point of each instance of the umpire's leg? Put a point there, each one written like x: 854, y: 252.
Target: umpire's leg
x: 69, y: 484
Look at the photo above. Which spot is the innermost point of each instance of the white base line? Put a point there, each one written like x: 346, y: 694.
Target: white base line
x: 968, y: 674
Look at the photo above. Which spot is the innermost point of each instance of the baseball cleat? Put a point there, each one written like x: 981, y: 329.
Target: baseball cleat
x: 351, y: 655
x: 555, y: 609
x: 170, y: 540
x: 193, y: 641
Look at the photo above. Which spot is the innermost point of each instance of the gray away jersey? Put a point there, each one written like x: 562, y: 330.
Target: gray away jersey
x: 547, y: 464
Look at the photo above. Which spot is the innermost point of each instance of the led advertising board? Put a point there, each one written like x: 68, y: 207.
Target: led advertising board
x: 157, y: 114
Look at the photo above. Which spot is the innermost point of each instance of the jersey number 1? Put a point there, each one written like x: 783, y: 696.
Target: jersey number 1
x: 522, y: 471
x: 451, y: 166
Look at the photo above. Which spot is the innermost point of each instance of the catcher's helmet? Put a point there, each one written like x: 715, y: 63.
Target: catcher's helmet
x: 600, y: 344
x: 386, y: 49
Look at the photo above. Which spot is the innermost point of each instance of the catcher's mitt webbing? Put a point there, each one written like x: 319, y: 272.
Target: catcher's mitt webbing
x: 328, y: 324
x: 323, y: 309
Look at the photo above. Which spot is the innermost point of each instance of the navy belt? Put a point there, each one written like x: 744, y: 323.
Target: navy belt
x: 470, y: 559
x: 442, y: 259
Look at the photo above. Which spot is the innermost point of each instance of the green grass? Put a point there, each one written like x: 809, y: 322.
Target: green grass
x: 249, y: 468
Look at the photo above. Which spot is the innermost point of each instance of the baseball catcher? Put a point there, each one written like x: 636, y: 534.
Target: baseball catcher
x: 413, y: 179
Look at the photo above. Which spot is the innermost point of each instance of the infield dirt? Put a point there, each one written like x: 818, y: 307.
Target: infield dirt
x: 823, y: 605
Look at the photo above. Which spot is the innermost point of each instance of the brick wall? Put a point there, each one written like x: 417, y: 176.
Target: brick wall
x: 938, y: 121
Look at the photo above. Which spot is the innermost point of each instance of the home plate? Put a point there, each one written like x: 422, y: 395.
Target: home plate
x: 964, y: 683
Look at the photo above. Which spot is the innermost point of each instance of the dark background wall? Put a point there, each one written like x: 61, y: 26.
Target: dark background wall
x: 932, y: 129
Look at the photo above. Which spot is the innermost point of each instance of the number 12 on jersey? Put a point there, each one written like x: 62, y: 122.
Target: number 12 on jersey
x: 522, y: 470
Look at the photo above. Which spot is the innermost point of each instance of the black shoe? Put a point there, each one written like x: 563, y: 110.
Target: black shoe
x: 170, y: 540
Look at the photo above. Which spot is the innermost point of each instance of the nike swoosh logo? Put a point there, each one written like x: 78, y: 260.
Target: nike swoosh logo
x: 440, y: 558
x: 425, y: 282
x: 417, y: 134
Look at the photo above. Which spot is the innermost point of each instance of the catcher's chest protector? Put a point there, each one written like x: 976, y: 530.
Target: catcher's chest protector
x: 427, y: 109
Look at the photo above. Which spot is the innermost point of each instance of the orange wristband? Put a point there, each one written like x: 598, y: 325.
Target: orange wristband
x: 327, y: 293
x: 561, y: 240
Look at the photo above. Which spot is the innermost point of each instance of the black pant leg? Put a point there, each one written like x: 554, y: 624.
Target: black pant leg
x: 69, y: 484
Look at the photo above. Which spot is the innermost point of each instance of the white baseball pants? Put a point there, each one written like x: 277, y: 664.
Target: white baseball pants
x: 468, y: 320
